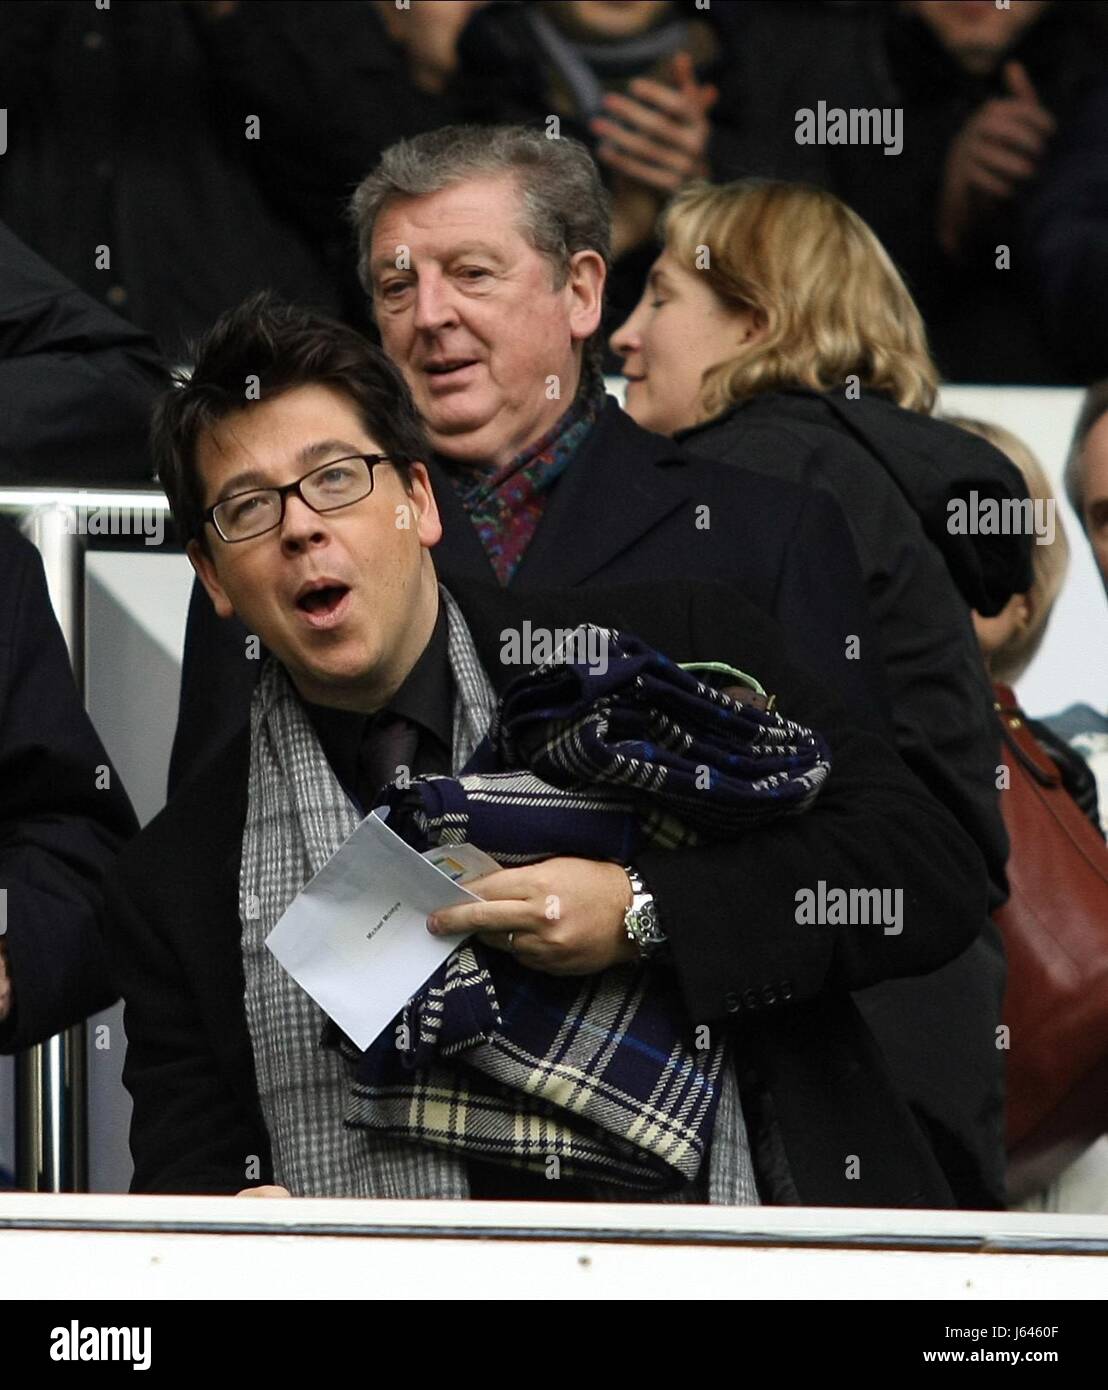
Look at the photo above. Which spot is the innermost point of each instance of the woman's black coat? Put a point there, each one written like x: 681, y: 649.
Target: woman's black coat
x: 893, y: 473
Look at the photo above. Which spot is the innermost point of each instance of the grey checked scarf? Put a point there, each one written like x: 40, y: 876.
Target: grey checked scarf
x: 298, y: 815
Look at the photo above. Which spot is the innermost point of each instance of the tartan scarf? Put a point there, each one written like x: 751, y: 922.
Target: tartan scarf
x: 505, y: 506
x: 609, y: 710
x: 515, y: 1066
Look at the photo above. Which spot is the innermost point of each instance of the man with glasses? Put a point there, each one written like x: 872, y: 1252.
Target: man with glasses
x: 339, y: 483
x: 309, y: 513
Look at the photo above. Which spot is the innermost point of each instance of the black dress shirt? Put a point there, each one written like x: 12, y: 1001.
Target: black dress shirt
x: 425, y: 700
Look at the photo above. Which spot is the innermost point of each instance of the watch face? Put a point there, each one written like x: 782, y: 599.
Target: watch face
x: 645, y: 921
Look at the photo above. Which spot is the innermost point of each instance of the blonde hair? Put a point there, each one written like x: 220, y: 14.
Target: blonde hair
x: 833, y: 302
x: 1048, y: 562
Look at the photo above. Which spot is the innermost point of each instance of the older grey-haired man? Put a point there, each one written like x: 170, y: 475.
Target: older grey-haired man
x: 484, y: 251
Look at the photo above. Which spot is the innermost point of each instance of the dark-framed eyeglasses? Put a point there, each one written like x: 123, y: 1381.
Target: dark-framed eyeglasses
x: 338, y: 483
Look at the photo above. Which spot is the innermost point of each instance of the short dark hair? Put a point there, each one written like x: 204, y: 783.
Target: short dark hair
x: 564, y: 206
x: 283, y: 346
x: 1093, y: 406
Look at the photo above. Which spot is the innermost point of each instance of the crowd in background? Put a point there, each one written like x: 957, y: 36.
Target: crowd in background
x: 143, y: 139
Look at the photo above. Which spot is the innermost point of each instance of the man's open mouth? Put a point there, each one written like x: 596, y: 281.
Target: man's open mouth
x: 324, y: 604
x: 445, y: 369
x: 322, y: 600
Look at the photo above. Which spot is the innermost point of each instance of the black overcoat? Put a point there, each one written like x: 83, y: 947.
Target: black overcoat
x: 63, y: 814
x: 827, y: 1126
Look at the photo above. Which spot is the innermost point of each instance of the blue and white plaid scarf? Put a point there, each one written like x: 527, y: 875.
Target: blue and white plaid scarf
x: 511, y: 1065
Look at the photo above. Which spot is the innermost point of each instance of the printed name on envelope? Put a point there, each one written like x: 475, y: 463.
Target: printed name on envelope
x: 355, y: 937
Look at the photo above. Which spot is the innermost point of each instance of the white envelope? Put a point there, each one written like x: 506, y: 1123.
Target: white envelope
x: 355, y: 937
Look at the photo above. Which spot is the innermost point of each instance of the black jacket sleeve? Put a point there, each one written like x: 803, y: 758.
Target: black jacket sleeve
x: 59, y: 829
x: 78, y: 383
x: 822, y: 609
x: 171, y: 918
x: 190, y: 1130
x: 731, y: 910
x: 945, y: 729
x: 941, y: 700
x: 217, y: 685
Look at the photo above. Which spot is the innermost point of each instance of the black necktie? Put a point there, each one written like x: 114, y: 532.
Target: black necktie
x: 389, y: 746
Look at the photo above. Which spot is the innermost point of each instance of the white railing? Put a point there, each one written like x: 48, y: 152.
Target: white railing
x: 142, y: 1247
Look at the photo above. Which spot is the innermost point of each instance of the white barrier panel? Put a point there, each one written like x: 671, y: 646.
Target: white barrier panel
x: 62, y: 1247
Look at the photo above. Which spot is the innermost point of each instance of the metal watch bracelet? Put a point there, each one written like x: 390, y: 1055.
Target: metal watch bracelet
x: 640, y: 921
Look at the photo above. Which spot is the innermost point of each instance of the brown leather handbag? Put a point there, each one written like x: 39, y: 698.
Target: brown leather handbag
x: 1055, y: 928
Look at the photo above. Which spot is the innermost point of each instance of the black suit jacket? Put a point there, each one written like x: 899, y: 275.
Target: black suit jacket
x: 631, y: 508
x: 826, y: 1125
x: 59, y: 829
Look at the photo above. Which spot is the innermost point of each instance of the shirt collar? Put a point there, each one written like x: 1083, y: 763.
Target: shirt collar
x: 476, y: 480
x: 425, y: 696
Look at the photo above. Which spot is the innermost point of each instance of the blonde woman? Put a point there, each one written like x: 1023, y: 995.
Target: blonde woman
x: 764, y: 286
x: 776, y: 335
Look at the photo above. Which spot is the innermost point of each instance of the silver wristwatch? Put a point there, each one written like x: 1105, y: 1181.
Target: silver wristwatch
x: 641, y: 918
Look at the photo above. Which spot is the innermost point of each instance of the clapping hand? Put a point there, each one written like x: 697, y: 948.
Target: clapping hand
x: 999, y: 147
x: 661, y: 136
